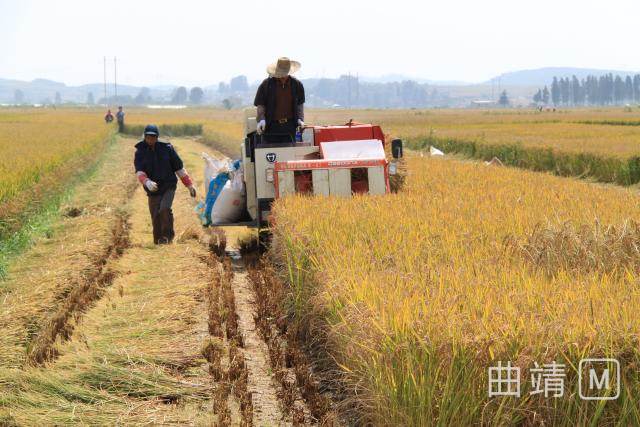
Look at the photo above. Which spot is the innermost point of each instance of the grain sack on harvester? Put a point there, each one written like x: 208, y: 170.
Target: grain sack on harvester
x: 323, y: 160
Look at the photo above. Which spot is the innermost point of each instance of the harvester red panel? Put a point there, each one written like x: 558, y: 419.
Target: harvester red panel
x: 348, y: 132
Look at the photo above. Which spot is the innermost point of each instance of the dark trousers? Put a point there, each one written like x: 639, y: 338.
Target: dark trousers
x: 162, y: 217
x: 281, y: 132
x: 120, y: 127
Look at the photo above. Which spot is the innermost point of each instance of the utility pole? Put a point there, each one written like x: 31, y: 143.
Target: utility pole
x: 105, y: 83
x: 115, y: 78
x: 349, y: 90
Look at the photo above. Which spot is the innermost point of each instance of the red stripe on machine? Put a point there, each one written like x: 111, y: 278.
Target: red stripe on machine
x: 327, y: 164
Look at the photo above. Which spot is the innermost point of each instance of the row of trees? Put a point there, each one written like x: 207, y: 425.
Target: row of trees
x: 19, y: 98
x: 180, y: 95
x: 347, y: 91
x: 194, y: 96
x: 593, y: 90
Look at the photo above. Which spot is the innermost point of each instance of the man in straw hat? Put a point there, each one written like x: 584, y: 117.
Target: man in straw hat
x: 280, y: 102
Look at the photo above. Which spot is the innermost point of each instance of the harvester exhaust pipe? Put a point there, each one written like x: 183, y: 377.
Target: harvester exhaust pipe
x: 396, y: 148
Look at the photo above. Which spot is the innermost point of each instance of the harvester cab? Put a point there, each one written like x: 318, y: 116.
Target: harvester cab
x: 328, y: 160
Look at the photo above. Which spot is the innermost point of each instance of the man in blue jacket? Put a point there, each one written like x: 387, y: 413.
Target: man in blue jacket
x: 120, y: 119
x: 157, y: 164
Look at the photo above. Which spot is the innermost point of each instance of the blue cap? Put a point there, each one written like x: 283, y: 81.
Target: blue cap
x: 151, y: 130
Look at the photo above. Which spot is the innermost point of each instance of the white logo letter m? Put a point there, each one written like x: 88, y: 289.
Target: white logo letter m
x: 608, y: 378
x: 593, y: 378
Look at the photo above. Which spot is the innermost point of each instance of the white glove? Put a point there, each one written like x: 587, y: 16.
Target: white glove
x: 192, y: 190
x: 151, y: 185
x: 262, y: 124
x: 300, y: 123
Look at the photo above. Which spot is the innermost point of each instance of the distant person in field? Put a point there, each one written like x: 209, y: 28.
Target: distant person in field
x: 157, y: 164
x: 120, y: 119
x: 280, y: 102
x: 108, y: 118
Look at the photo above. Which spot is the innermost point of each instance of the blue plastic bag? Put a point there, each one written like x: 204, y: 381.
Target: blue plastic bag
x: 215, y: 187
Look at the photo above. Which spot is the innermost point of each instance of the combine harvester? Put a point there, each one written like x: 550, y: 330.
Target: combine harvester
x: 329, y: 160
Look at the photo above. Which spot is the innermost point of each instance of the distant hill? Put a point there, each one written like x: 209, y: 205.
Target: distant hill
x: 544, y: 76
x: 43, y: 90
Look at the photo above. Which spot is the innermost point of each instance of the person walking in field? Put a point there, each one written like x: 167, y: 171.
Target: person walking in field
x: 156, y: 164
x: 120, y: 119
x: 108, y: 118
x: 280, y: 102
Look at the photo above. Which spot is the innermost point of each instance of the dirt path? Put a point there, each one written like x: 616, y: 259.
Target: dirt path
x: 261, y: 384
x: 251, y: 392
x: 144, y: 334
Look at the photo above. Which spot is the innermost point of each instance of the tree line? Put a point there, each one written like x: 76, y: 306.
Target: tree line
x: 345, y: 91
x: 606, y: 89
x: 180, y: 95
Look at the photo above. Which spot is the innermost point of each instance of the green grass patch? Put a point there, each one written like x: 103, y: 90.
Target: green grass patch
x: 610, y: 122
x: 173, y: 130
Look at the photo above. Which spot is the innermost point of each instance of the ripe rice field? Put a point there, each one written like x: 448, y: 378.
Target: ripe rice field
x: 574, y: 130
x: 44, y: 152
x: 36, y: 142
x: 567, y: 131
x: 599, y: 144
x: 419, y: 293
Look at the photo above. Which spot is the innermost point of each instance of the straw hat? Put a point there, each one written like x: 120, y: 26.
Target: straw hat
x: 284, y: 67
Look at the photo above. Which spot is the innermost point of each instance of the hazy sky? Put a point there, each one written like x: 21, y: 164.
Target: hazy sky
x: 191, y: 42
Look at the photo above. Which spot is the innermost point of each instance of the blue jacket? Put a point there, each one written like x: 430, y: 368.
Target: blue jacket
x: 160, y: 165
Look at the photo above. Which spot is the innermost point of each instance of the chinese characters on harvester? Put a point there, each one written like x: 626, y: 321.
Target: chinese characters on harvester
x: 598, y: 379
